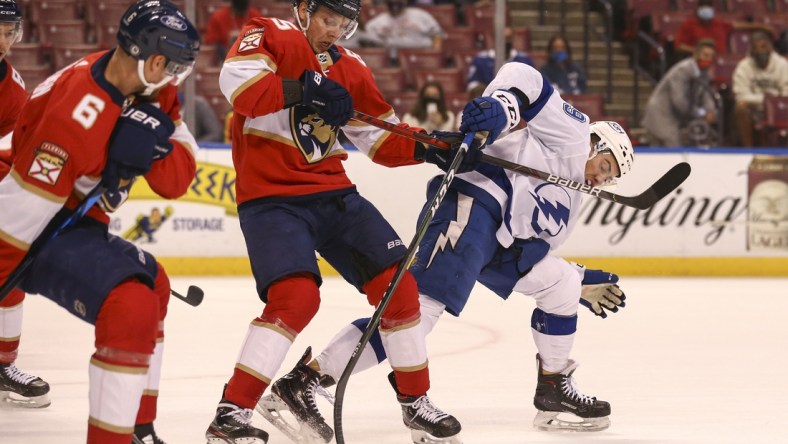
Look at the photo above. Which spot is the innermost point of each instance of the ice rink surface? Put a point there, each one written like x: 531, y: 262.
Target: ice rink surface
x: 687, y: 361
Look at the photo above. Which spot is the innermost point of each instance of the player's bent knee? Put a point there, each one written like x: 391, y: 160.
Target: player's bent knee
x: 293, y: 300
x: 404, y: 303
x: 161, y: 286
x: 129, y: 318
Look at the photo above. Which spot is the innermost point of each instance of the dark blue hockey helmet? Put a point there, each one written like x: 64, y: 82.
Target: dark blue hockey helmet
x: 152, y: 27
x: 11, y: 13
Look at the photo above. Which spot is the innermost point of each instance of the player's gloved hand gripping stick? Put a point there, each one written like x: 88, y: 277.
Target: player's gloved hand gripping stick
x: 403, y: 265
x: 643, y: 201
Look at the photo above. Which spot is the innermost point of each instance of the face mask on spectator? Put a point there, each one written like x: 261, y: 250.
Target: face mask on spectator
x: 396, y: 7
x: 706, y: 13
x: 761, y: 58
x: 705, y: 64
x: 559, y: 56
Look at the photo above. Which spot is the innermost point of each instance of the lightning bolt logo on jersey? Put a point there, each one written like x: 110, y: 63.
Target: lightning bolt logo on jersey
x: 456, y: 227
x: 551, y: 209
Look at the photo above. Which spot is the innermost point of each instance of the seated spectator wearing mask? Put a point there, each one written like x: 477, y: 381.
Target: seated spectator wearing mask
x: 565, y: 76
x: 763, y: 72
x: 430, y: 111
x: 682, y: 96
x: 482, y: 67
x: 706, y: 25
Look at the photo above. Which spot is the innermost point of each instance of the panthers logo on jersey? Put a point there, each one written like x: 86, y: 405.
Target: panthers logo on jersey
x: 311, y: 134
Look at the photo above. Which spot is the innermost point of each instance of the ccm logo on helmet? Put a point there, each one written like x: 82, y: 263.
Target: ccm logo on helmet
x: 616, y: 127
x: 139, y: 116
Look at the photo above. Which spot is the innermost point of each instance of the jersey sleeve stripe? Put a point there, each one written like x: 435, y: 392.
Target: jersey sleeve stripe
x: 183, y: 136
x: 24, y: 227
x: 32, y: 189
x: 240, y: 73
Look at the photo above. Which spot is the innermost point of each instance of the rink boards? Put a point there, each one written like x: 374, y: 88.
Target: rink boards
x: 729, y: 218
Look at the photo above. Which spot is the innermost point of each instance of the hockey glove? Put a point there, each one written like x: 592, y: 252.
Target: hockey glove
x: 330, y: 100
x: 443, y: 157
x: 141, y: 135
x: 600, y: 292
x: 494, y: 114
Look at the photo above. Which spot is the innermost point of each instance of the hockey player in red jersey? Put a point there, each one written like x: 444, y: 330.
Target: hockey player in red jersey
x: 108, y: 118
x: 292, y: 88
x: 17, y: 388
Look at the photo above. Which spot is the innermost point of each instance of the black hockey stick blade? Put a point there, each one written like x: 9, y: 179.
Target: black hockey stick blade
x: 194, y: 295
x: 661, y: 188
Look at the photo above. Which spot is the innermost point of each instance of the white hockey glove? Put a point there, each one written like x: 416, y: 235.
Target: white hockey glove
x: 600, y: 292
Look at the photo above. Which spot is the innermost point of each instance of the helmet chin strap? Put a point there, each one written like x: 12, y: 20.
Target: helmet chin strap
x: 150, y: 88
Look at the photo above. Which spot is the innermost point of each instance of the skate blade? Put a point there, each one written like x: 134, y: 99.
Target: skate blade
x: 215, y: 439
x: 550, y: 422
x: 422, y: 437
x: 271, y: 408
x: 12, y: 400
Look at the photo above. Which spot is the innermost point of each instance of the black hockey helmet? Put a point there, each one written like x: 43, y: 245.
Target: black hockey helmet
x: 157, y: 27
x: 11, y: 13
x: 349, y: 9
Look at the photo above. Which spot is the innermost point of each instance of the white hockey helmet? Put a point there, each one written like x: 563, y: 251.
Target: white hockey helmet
x: 614, y: 139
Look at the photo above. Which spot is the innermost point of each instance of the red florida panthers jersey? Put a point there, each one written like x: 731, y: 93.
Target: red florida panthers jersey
x: 291, y: 152
x: 59, y: 149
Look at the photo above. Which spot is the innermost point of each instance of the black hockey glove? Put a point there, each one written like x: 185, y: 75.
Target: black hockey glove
x: 141, y: 135
x: 600, y: 292
x: 443, y: 157
x: 330, y: 100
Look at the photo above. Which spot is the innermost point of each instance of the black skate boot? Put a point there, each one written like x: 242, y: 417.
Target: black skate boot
x: 233, y: 425
x: 19, y: 389
x: 557, y: 394
x: 144, y: 434
x: 427, y: 423
x: 295, y: 392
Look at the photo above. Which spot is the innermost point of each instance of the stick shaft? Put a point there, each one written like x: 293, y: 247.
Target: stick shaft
x: 376, y: 316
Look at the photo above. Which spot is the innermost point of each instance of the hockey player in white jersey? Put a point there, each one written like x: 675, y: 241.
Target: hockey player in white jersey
x: 497, y: 227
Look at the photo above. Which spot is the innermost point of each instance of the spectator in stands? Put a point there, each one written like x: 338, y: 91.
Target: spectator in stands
x: 705, y: 25
x: 683, y: 98
x: 565, y: 76
x: 361, y: 38
x: 482, y: 68
x: 405, y: 27
x: 762, y: 72
x: 225, y: 23
x: 207, y: 127
x: 430, y: 111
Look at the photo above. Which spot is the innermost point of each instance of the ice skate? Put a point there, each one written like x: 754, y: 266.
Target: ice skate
x: 427, y: 423
x: 295, y: 393
x: 557, y: 395
x: 145, y: 434
x: 233, y: 425
x: 19, y: 389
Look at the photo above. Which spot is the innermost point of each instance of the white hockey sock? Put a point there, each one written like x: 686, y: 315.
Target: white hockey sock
x: 334, y: 358
x: 115, y: 393
x: 263, y: 350
x: 10, y: 329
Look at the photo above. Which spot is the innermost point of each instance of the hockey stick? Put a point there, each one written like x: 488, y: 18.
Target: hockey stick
x: 51, y: 231
x: 194, y: 295
x: 643, y: 201
x: 403, y: 265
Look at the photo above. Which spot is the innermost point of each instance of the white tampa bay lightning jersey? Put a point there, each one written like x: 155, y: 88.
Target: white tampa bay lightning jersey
x: 556, y: 140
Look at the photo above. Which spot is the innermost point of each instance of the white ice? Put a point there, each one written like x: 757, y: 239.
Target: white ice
x: 687, y: 361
